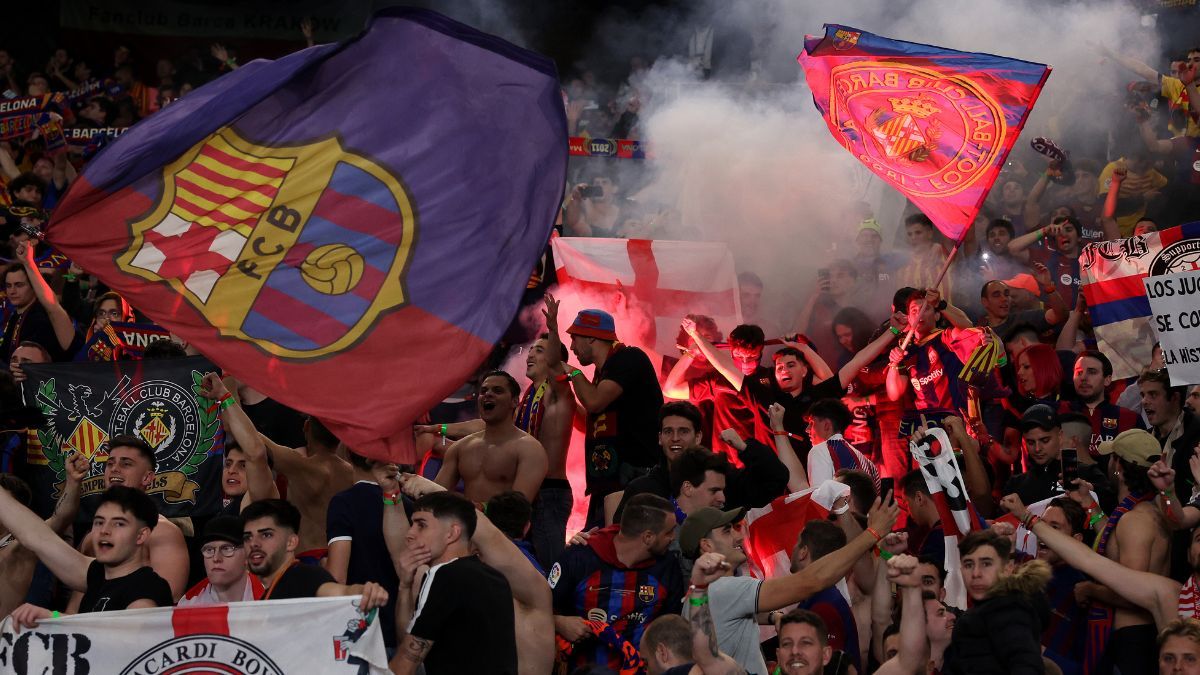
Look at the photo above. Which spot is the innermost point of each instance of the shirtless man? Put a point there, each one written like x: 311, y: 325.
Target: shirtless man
x: 501, y: 457
x: 532, y: 608
x: 131, y: 463
x: 17, y: 561
x: 546, y: 412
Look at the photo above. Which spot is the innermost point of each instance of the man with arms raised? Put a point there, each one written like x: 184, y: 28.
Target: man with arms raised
x: 17, y: 560
x: 736, y: 600
x: 315, y: 473
x: 269, y: 535
x: 458, y: 589
x: 545, y: 411
x: 501, y: 457
x: 533, y: 614
x: 118, y: 577
x: 622, y: 401
x: 131, y: 464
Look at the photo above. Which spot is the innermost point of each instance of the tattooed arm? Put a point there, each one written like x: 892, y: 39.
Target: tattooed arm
x: 410, y: 655
x: 68, y: 504
x: 705, y: 652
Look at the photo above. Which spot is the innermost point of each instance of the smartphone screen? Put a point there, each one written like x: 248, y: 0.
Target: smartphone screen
x: 1070, y: 468
x: 886, y: 485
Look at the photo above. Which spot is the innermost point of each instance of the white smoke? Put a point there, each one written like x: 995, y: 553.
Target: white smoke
x: 755, y: 166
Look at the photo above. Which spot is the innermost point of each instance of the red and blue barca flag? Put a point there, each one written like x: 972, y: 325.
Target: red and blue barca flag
x: 934, y: 123
x: 347, y: 229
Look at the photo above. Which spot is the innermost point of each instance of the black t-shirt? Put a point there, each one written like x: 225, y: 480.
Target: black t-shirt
x: 796, y: 407
x: 468, y: 614
x: 300, y: 581
x: 356, y: 515
x: 625, y: 434
x: 110, y: 595
x: 33, y: 326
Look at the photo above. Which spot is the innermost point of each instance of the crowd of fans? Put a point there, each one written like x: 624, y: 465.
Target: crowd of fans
x: 468, y: 553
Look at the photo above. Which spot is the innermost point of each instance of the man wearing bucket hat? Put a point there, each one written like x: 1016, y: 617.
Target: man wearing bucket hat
x: 622, y: 401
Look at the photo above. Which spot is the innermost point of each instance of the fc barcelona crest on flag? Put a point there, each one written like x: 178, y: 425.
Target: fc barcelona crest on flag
x: 300, y: 262
x: 159, y: 402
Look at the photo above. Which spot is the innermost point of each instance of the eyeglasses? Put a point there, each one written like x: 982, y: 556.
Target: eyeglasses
x: 226, y: 550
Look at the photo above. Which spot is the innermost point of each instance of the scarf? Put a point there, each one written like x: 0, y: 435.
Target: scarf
x: 1187, y: 599
x: 529, y: 411
x: 1100, y: 617
x: 632, y: 662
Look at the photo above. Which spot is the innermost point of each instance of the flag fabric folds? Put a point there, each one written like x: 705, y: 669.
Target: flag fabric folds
x: 347, y: 229
x: 934, y: 123
x: 935, y: 456
x: 772, y: 531
x: 158, y: 401
x: 669, y: 279
x: 309, y: 635
x: 1111, y: 274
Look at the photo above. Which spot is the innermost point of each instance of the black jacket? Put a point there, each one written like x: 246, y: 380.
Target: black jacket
x: 761, y: 479
x: 1002, y: 634
x: 1040, y: 482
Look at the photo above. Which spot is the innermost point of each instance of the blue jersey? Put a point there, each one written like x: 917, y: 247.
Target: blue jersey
x: 589, y: 582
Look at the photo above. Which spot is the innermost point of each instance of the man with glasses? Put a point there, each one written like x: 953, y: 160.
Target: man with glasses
x: 227, y: 579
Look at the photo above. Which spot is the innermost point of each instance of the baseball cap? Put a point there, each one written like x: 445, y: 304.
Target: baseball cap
x: 1024, y: 282
x: 222, y: 528
x: 1135, y: 446
x: 870, y: 224
x: 594, y: 323
x: 697, y: 526
x: 1039, y: 416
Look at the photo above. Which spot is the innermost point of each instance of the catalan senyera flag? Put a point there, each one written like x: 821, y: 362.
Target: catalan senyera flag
x: 934, y: 123
x: 1111, y: 273
x: 348, y: 228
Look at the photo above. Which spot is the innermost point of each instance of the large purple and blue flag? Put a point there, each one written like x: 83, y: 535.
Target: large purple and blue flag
x: 348, y: 228
x: 934, y: 123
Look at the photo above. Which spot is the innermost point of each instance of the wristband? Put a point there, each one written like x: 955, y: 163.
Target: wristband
x: 878, y: 537
x: 942, y: 305
x: 55, y: 614
x: 838, y: 512
x: 444, y: 429
x: 895, y: 331
x: 392, y: 498
x: 1096, y: 517
x: 1029, y: 520
x: 225, y: 403
x: 573, y: 373
x: 1041, y: 234
x: 885, y: 555
x: 698, y: 587
x: 561, y: 378
x: 697, y: 602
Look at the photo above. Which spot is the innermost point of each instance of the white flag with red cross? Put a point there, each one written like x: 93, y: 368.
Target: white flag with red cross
x: 309, y: 635
x: 664, y: 281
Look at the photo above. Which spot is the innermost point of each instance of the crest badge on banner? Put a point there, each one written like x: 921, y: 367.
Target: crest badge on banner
x: 86, y: 404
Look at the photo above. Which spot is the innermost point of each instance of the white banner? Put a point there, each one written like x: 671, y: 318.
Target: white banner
x: 277, y: 637
x: 1175, y: 304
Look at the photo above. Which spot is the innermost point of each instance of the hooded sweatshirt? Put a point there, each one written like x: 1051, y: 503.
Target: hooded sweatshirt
x: 589, y: 581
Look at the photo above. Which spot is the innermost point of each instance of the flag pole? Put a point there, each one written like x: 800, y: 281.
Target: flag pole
x: 912, y: 329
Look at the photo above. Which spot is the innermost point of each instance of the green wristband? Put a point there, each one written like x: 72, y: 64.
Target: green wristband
x: 696, y: 602
x: 885, y: 555
x: 55, y: 614
x: 575, y: 372
x: 226, y: 403
x: 895, y: 331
